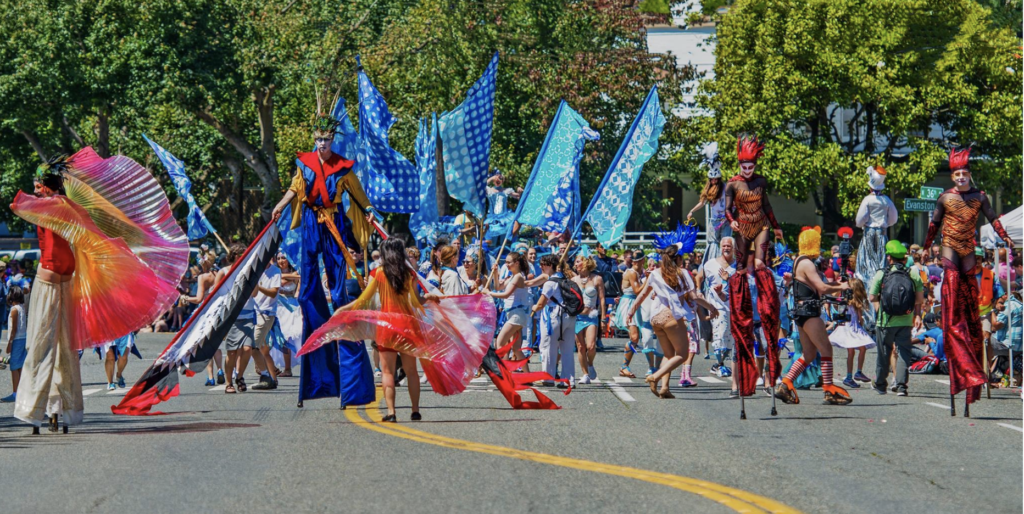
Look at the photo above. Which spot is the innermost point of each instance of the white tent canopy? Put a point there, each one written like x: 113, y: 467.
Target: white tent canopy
x: 1012, y: 223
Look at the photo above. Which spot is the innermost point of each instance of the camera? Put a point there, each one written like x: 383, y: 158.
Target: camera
x: 841, y: 304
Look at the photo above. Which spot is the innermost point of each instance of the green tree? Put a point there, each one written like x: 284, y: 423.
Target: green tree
x: 833, y: 86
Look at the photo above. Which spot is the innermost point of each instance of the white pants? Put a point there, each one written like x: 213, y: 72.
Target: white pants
x: 551, y: 346
x: 721, y: 338
x: 51, y: 381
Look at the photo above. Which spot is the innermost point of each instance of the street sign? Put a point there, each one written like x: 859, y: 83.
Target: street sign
x: 930, y: 193
x: 918, y: 205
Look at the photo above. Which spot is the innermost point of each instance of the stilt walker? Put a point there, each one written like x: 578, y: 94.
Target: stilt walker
x: 750, y: 216
x: 331, y: 370
x: 956, y: 212
x: 92, y: 235
x: 876, y: 214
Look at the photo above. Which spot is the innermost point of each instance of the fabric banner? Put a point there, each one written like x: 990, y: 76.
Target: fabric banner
x: 195, y: 344
x: 426, y: 163
x: 389, y: 179
x: 612, y: 204
x: 466, y: 143
x: 198, y: 225
x: 551, y: 196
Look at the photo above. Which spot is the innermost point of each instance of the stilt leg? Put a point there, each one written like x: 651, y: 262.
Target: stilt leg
x: 967, y: 410
x: 774, y: 411
x: 300, y: 404
x: 35, y: 430
x: 952, y: 405
x: 53, y: 423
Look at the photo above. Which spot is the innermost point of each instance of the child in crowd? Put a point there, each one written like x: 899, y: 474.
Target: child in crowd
x: 16, y: 322
x: 852, y: 335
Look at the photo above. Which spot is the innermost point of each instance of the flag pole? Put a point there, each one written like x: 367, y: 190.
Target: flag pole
x: 221, y: 241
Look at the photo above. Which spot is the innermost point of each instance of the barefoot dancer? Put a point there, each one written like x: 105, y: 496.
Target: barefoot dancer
x: 957, y: 211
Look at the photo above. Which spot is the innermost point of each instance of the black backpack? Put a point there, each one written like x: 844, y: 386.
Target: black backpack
x: 898, y: 296
x: 572, y: 296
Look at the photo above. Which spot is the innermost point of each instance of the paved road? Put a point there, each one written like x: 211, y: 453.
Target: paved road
x: 614, y: 447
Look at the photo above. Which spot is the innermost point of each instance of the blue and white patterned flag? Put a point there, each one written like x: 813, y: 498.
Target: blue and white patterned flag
x: 198, y: 225
x: 466, y: 142
x: 612, y: 205
x: 426, y: 163
x: 389, y: 179
x: 551, y: 197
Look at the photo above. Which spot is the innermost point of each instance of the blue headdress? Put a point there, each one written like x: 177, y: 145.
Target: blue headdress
x: 684, y: 238
x: 782, y: 262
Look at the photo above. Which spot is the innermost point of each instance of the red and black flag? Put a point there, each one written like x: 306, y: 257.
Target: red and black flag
x: 195, y: 344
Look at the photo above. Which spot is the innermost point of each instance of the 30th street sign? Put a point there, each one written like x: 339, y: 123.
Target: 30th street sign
x: 918, y: 205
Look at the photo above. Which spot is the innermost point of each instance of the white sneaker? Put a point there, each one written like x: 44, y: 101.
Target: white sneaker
x: 591, y: 372
x: 760, y: 381
x: 423, y: 379
x: 585, y: 379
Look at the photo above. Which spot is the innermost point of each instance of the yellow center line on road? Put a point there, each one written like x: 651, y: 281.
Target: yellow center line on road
x: 735, y: 499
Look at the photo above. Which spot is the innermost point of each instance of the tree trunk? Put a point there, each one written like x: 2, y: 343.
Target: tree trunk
x: 33, y: 140
x: 252, y: 157
x: 236, y: 223
x: 272, y: 180
x: 103, y: 132
x: 442, y: 189
x: 71, y: 132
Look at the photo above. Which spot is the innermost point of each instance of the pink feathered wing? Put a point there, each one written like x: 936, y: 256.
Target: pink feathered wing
x: 130, y: 253
x: 113, y: 291
x: 450, y: 336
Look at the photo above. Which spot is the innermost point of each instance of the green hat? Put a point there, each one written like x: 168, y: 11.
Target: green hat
x: 895, y: 249
x: 978, y: 251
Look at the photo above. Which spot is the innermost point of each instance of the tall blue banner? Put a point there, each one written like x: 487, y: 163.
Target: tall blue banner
x: 612, y: 204
x: 466, y: 142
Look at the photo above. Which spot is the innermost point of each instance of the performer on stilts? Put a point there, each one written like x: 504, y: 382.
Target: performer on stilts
x: 956, y: 211
x: 876, y: 214
x: 750, y: 217
x: 91, y: 236
x: 808, y: 287
x: 315, y: 195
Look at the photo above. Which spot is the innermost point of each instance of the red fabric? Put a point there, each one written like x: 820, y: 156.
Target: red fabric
x: 323, y: 170
x: 501, y: 374
x: 961, y: 331
x: 768, y: 308
x: 55, y: 253
x: 741, y: 324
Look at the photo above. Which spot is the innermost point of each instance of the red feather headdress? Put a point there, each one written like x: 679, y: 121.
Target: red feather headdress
x: 748, y: 149
x: 958, y: 159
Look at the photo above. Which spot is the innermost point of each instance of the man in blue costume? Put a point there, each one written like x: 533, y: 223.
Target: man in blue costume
x: 315, y: 196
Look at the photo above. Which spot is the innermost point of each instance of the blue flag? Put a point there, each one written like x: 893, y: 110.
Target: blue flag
x: 551, y: 198
x: 612, y: 205
x: 198, y: 225
x: 389, y: 179
x: 466, y: 142
x: 291, y: 240
x: 426, y: 163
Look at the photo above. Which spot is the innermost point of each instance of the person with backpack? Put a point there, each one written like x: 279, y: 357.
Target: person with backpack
x: 561, y: 301
x: 897, y: 295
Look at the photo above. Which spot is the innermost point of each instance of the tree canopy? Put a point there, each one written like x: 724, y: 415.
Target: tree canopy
x: 229, y: 86
x: 833, y: 86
